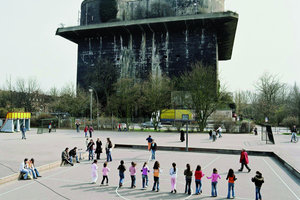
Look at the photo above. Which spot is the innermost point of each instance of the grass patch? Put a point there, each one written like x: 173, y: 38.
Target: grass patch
x: 298, y: 134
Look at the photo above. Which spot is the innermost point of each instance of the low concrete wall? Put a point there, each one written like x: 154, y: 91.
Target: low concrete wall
x: 42, y: 168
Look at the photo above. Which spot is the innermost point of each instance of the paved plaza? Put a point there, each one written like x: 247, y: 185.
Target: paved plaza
x: 74, y: 182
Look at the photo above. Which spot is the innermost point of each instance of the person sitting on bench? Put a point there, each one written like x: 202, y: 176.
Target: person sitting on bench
x: 65, y: 157
x: 23, y: 169
x: 73, y: 154
x: 34, y: 170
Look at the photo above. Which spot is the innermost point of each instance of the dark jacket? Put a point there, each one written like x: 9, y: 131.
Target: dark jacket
x: 154, y: 146
x: 98, y: 147
x: 72, y: 152
x: 64, y: 155
x: 90, y: 146
x: 258, y: 180
x: 122, y: 168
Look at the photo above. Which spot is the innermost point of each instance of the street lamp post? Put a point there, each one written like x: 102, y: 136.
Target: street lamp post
x: 91, y: 90
x: 91, y: 106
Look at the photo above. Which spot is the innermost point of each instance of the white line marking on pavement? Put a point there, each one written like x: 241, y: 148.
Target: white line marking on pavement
x: 211, y: 162
x: 281, y: 179
x: 20, y: 187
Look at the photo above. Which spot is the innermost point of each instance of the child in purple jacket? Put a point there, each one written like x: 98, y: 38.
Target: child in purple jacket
x: 145, y: 170
x: 214, y: 181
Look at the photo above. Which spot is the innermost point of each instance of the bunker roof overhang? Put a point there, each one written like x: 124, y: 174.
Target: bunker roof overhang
x: 223, y: 23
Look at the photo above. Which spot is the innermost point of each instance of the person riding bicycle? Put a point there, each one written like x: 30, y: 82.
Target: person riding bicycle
x: 294, y: 133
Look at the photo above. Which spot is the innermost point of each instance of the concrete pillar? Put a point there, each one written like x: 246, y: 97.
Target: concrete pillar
x: 18, y: 125
x: 28, y: 121
x: 12, y: 126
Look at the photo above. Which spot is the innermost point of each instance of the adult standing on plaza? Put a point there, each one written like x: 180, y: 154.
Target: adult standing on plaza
x: 149, y: 139
x: 90, y: 148
x: 255, y: 130
x: 23, y: 130
x: 153, y: 149
x: 65, y: 157
x: 91, y: 130
x: 294, y: 133
x: 108, y: 149
x: 182, y: 136
x: 244, y: 160
x: 77, y: 124
x: 220, y: 131
x: 98, y: 148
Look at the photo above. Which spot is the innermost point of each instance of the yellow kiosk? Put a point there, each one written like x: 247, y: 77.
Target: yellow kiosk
x: 14, y: 120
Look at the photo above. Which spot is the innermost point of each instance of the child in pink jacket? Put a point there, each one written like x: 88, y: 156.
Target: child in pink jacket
x: 214, y: 181
x: 105, y: 171
x: 132, y: 170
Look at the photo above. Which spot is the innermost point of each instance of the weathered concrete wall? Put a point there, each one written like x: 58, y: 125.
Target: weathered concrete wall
x: 138, y: 54
x: 140, y: 9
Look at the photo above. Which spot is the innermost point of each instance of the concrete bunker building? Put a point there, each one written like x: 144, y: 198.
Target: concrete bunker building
x: 152, y: 36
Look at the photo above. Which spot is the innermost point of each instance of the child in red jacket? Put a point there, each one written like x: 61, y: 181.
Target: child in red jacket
x: 198, y: 177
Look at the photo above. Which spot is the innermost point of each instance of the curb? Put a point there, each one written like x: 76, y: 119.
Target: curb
x: 42, y: 168
x: 284, y: 164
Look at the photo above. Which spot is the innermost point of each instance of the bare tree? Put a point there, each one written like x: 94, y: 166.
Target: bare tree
x: 205, y: 94
x: 156, y: 96
x: 269, y: 91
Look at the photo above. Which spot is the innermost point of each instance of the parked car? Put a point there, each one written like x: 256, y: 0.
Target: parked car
x: 150, y: 125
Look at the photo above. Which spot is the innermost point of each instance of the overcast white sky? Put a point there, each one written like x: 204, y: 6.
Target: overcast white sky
x: 267, y: 40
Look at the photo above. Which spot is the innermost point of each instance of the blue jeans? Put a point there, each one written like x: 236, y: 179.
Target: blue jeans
x: 145, y: 180
x: 257, y: 193
x: 220, y: 134
x: 36, y: 172
x: 153, y: 154
x: 198, y: 186
x: 33, y: 173
x: 214, y: 189
x: 76, y: 157
x: 91, y: 154
x: 156, y: 183
x: 121, y: 174
x: 26, y: 172
x: 23, y: 135
x: 133, y: 178
x: 294, y: 135
x: 108, y: 156
x: 230, y: 188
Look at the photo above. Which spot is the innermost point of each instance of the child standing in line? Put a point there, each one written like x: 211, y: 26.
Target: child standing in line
x: 145, y: 170
x: 132, y: 170
x: 173, y: 173
x: 105, y: 171
x: 231, y: 178
x: 156, y: 171
x: 121, y: 169
x: 214, y: 181
x: 94, y: 172
x: 188, y: 179
x: 258, y: 181
x: 198, y: 177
